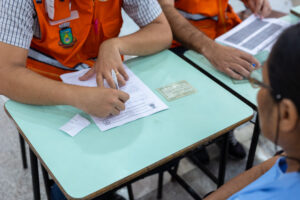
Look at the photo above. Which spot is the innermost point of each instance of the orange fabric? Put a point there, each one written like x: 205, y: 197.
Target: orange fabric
x: 227, y: 18
x: 44, y: 69
x: 97, y: 22
x: 62, y: 10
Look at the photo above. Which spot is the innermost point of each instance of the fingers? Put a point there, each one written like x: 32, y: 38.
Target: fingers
x: 115, y: 112
x: 123, y: 72
x: 107, y: 76
x: 233, y: 74
x: 245, y: 64
x: 120, y: 105
x: 121, y: 80
x: 123, y: 96
x: 261, y: 8
x: 110, y: 80
x: 235, y: 63
x: 99, y: 79
x: 121, y: 75
x: 106, y: 73
x: 266, y: 11
x: 251, y: 4
x: 242, y: 67
x: 250, y: 59
x: 240, y: 70
x: 258, y: 7
x: 87, y: 75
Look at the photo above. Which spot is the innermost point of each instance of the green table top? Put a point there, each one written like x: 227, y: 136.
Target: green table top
x: 244, y: 89
x: 89, y: 163
x: 292, y: 18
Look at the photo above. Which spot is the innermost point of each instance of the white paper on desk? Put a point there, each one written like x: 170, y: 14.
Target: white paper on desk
x: 75, y: 125
x: 143, y: 102
x: 254, y: 35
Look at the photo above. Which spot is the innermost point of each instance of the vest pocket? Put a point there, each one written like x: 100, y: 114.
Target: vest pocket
x: 111, y: 28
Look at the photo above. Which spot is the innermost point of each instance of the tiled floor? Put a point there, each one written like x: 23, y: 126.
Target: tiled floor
x: 16, y: 182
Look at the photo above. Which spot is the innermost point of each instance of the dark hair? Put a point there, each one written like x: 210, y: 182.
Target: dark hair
x: 284, y: 65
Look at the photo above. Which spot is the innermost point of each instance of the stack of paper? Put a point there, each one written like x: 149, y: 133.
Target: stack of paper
x: 254, y: 35
x: 143, y: 102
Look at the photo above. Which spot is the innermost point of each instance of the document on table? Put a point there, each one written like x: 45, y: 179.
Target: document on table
x: 254, y: 35
x: 143, y: 102
x: 75, y: 125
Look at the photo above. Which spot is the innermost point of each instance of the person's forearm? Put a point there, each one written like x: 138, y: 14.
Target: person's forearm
x: 184, y: 32
x: 23, y: 85
x: 148, y: 40
x: 242, y: 180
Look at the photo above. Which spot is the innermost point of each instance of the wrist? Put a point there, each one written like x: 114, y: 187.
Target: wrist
x: 207, y: 48
x: 72, y: 95
x: 113, y: 43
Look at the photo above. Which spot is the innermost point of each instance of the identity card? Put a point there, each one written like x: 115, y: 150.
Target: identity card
x: 176, y: 90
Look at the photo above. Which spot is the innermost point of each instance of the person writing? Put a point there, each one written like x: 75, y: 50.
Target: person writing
x: 42, y: 39
x: 49, y: 38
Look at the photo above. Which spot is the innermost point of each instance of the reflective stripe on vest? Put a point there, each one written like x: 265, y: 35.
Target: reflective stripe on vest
x: 196, y: 17
x: 78, y: 40
x: 38, y: 56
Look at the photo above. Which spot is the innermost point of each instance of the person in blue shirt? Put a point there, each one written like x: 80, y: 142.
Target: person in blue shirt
x: 279, y: 114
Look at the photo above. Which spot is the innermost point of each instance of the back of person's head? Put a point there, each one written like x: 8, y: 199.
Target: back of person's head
x: 284, y: 66
x: 280, y: 117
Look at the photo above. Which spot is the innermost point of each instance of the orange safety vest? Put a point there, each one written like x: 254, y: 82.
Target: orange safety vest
x: 73, y: 33
x: 220, y: 9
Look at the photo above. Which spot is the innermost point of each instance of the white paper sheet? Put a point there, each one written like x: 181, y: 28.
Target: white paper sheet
x: 143, y: 102
x: 75, y: 125
x: 254, y: 35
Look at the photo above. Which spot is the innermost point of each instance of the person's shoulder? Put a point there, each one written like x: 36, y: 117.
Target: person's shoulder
x: 139, y: 2
x: 9, y: 2
x: 17, y: 4
x: 290, y: 187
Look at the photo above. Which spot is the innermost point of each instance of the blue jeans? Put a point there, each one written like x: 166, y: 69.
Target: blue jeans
x: 56, y: 193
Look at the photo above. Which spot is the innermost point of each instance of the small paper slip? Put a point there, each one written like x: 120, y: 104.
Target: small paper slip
x: 143, y: 102
x: 75, y: 125
x: 254, y: 35
x: 176, y: 90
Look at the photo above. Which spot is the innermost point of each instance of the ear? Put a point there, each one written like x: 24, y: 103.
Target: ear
x: 288, y: 116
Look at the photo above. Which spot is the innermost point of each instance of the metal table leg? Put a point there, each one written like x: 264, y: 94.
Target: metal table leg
x: 190, y: 190
x: 161, y: 180
x: 23, y: 151
x: 223, y: 159
x: 160, y: 184
x: 47, y: 182
x: 175, y: 170
x: 130, y: 192
x: 35, y: 176
x: 253, y: 145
